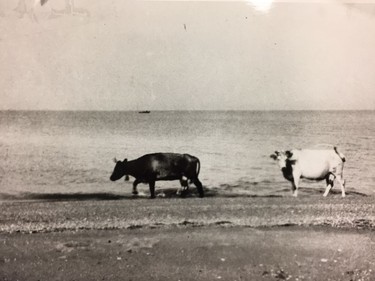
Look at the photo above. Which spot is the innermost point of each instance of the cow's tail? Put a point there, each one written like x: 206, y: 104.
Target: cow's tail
x: 198, y: 167
x: 197, y: 170
x: 342, y: 156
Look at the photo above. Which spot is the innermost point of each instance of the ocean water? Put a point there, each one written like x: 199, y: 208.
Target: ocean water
x: 71, y: 152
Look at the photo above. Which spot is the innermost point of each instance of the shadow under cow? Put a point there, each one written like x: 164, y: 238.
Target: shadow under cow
x: 160, y: 193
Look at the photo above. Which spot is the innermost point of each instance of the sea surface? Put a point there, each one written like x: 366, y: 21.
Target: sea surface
x: 63, y: 152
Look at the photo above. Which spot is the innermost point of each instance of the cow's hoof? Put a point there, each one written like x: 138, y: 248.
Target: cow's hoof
x: 135, y: 192
x: 161, y: 195
x: 152, y: 197
x: 201, y: 195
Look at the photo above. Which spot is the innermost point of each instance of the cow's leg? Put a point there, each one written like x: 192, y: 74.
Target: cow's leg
x: 135, y: 183
x: 341, y: 181
x: 152, y: 189
x: 179, y: 190
x: 295, y: 183
x: 184, y: 186
x: 199, y: 186
x: 295, y: 188
x: 330, y: 181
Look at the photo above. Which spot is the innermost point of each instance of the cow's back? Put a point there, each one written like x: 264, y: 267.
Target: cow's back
x: 168, y: 166
x: 316, y: 163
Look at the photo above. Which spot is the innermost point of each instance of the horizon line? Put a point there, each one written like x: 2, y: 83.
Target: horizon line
x: 178, y: 110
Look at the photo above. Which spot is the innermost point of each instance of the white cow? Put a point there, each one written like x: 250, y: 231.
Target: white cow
x: 312, y: 164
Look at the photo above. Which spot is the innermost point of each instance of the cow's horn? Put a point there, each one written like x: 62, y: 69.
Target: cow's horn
x: 114, y: 160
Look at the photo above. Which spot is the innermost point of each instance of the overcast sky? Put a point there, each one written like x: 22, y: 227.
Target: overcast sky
x: 184, y: 55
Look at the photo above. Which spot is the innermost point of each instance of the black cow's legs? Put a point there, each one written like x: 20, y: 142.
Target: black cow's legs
x: 199, y: 186
x: 152, y: 189
x: 135, y: 183
x: 184, y: 186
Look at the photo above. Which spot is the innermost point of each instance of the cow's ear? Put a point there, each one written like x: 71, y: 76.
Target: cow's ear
x: 125, y: 160
x: 288, y: 154
x: 273, y: 156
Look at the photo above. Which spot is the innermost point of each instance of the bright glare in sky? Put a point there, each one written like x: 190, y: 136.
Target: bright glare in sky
x: 261, y: 5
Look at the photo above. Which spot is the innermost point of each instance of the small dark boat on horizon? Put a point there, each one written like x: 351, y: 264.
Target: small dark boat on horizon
x: 144, y: 111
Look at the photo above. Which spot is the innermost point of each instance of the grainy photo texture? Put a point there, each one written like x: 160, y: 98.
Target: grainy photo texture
x: 187, y: 140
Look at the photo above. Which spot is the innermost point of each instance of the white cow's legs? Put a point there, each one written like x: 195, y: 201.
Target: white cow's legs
x: 295, y: 182
x: 341, y: 181
x: 330, y: 180
x: 328, y: 188
x: 295, y: 187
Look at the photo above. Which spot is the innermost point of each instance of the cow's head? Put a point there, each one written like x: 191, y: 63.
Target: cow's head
x: 120, y: 170
x: 281, y: 157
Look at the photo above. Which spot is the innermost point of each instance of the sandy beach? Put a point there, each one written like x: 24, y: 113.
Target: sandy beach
x: 118, y: 237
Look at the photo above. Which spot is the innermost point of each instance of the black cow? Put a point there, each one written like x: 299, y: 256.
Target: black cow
x: 160, y: 166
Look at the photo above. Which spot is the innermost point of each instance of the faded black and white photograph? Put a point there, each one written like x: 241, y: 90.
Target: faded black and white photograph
x: 187, y: 140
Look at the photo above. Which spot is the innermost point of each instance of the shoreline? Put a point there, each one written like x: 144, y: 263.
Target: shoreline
x: 212, y: 238
x: 140, y: 212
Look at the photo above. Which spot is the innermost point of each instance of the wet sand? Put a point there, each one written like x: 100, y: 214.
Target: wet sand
x: 215, y: 238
